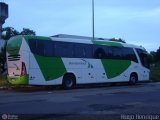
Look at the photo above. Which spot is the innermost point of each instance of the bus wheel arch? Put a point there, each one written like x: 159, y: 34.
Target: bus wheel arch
x: 133, y: 78
x: 69, y: 80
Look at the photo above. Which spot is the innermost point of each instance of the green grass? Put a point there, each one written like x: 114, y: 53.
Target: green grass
x: 155, y: 72
x: 3, y: 81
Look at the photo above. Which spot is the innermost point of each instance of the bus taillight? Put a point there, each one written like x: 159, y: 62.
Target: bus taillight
x: 23, y: 70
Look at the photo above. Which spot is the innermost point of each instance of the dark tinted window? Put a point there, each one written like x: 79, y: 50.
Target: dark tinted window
x: 32, y: 45
x: 129, y: 54
x: 117, y: 53
x: 63, y: 49
x: 78, y: 50
x: 88, y: 51
x: 99, y: 52
x: 40, y: 47
x: 37, y: 46
x: 49, y: 48
x: 82, y: 50
x: 108, y: 52
x: 143, y: 57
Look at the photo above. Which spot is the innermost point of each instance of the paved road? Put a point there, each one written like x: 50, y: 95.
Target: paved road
x: 142, y: 99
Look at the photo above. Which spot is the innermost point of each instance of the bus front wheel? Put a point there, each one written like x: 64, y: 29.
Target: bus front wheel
x: 69, y: 81
x: 133, y: 79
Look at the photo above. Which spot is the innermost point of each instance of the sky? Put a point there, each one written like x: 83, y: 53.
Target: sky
x: 135, y: 21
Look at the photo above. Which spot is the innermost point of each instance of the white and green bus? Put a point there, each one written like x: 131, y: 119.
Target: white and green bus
x: 68, y: 61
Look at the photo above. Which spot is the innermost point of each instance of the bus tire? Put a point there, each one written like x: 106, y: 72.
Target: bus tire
x: 69, y: 81
x: 133, y: 79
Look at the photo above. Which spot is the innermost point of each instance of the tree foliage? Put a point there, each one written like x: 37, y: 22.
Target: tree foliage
x: 157, y: 56
x: 27, y: 31
x: 10, y: 32
x: 152, y: 57
x: 118, y: 40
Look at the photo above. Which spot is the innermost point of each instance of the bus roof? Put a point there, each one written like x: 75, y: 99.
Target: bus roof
x: 89, y: 40
x: 83, y: 39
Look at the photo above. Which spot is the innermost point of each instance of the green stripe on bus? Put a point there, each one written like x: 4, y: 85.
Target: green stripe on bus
x: 30, y: 37
x: 114, y: 68
x: 51, y: 68
x: 108, y: 43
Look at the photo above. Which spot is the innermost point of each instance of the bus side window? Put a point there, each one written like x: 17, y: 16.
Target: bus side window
x: 99, y: 53
x: 37, y: 46
x: 117, y: 53
x: 79, y: 51
x: 109, y: 53
x: 63, y: 49
x: 32, y: 45
x: 87, y: 49
x: 40, y: 47
x: 49, y: 48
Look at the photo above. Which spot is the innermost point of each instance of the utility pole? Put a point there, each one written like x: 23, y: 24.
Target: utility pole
x: 3, y: 15
x: 93, y: 35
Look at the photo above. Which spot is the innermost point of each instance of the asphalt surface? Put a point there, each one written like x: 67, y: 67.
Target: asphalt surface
x: 118, y: 102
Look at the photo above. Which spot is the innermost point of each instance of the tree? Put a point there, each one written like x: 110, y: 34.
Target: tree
x: 157, y: 57
x: 152, y: 57
x: 27, y: 31
x: 118, y: 40
x: 9, y: 32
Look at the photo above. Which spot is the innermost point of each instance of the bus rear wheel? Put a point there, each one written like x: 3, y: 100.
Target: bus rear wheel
x: 133, y: 79
x: 69, y: 81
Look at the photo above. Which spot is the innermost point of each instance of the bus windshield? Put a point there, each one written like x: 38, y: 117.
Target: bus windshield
x: 144, y: 58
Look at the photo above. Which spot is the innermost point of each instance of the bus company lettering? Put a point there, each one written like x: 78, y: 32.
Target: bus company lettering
x: 83, y: 62
x: 77, y: 63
